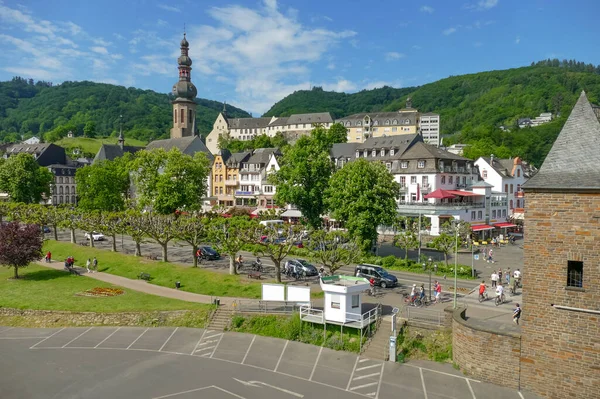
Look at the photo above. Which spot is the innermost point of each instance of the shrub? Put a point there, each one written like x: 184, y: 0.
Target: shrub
x: 389, y: 261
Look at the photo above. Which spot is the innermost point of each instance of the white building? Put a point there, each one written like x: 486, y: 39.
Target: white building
x: 254, y: 188
x: 32, y: 140
x: 429, y: 126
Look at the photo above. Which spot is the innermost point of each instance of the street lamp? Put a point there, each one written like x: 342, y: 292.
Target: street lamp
x: 455, y: 259
x: 425, y: 267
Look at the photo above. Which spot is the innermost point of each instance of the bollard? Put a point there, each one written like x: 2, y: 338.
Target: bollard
x: 177, y: 284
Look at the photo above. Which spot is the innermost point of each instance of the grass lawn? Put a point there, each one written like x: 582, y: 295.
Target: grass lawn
x: 93, y: 145
x: 195, y: 280
x: 48, y: 289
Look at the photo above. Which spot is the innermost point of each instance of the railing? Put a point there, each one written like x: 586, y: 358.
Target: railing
x: 499, y: 203
x: 431, y: 317
x: 309, y: 314
x: 363, y: 319
x: 457, y: 205
x: 231, y: 182
x: 520, y: 194
x: 258, y: 306
x: 240, y: 192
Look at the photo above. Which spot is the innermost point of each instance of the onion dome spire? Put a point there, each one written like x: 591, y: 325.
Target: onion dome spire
x: 184, y: 89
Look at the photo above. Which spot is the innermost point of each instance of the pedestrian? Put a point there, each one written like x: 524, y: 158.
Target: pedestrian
x: 490, y: 260
x: 517, y: 314
x: 95, y: 264
x: 87, y: 265
x: 49, y: 257
x: 438, y: 291
x: 508, y: 276
x: 500, y: 276
x: 494, y: 279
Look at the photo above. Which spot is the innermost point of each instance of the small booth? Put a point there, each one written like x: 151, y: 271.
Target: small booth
x: 343, y: 302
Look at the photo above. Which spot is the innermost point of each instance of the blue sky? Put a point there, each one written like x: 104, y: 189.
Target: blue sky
x: 252, y: 53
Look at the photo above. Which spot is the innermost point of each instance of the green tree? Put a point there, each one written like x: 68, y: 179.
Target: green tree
x: 24, y: 180
x: 134, y: 225
x: 161, y: 228
x: 193, y: 230
x: 229, y: 235
x: 110, y: 224
x: 363, y: 195
x: 90, y: 129
x: 104, y: 186
x: 168, y: 181
x: 89, y: 222
x: 445, y: 243
x: 334, y: 249
x: 407, y: 240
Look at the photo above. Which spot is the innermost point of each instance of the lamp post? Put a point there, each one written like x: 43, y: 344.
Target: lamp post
x: 427, y: 266
x: 455, y: 262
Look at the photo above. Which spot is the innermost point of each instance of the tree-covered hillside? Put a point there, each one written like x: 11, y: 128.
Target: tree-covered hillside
x: 28, y: 108
x: 338, y: 104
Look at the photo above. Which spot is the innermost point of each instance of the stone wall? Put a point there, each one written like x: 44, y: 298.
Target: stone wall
x: 561, y: 348
x: 49, y: 318
x: 485, y: 354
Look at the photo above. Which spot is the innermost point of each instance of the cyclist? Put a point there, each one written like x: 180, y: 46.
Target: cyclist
x: 500, y: 292
x: 413, y: 294
x: 422, y: 293
x: 482, y: 288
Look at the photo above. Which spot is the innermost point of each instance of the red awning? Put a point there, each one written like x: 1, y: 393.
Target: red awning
x: 504, y: 225
x: 481, y: 227
x: 439, y: 194
x: 465, y: 193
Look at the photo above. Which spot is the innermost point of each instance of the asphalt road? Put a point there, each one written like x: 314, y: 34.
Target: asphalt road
x: 132, y: 362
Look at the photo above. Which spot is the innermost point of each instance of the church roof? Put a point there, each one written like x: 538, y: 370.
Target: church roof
x: 572, y: 163
x: 111, y: 151
x: 187, y: 145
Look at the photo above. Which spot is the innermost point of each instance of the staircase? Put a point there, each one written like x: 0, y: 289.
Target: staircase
x: 378, y: 346
x: 220, y: 318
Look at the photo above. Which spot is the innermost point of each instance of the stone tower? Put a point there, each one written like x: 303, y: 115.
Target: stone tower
x: 184, y: 106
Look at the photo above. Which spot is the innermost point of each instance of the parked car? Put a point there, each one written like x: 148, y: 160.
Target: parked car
x: 95, y: 235
x: 46, y: 229
x: 209, y: 253
x: 301, y: 266
x: 379, y: 274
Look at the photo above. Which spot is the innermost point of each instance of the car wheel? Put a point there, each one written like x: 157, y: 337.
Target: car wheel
x: 383, y: 284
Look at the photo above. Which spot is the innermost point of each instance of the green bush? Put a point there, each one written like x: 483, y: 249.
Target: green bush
x: 436, y: 346
x: 389, y: 261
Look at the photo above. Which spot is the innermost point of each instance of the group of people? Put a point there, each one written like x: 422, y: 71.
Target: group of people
x: 513, y: 279
x: 419, y: 293
x: 500, y: 294
x: 91, y: 264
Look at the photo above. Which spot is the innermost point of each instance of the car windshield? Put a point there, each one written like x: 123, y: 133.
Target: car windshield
x: 208, y: 249
x: 303, y: 262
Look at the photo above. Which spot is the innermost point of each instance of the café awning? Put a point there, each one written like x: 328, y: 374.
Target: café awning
x: 439, y: 194
x: 504, y: 225
x: 481, y: 227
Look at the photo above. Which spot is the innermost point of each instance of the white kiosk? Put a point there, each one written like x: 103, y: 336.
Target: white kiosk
x: 343, y: 302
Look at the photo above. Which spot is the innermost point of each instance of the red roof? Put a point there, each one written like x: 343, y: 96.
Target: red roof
x: 465, y: 193
x: 481, y: 227
x: 504, y: 225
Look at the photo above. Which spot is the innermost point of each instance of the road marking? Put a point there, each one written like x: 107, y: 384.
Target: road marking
x: 248, y: 351
x: 173, y: 333
x: 423, y: 383
x: 212, y: 336
x: 200, y: 389
x: 31, y: 347
x: 111, y: 334
x: 368, y: 367
x: 471, y: 389
x: 216, y: 346
x: 257, y: 384
x: 441, y: 372
x: 77, y: 337
x: 520, y: 394
x: 380, y: 379
x: 363, y: 386
x: 22, y: 337
x: 3, y: 331
x: 131, y: 344
x: 281, y: 356
x: 315, y: 366
x: 362, y: 377
x: 363, y: 360
x: 196, y: 347
x: 352, y: 375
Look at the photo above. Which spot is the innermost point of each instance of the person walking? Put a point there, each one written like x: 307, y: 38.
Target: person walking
x: 95, y: 265
x: 49, y: 257
x: 500, y: 276
x: 508, y: 275
x: 517, y: 276
x: 517, y: 314
x: 494, y: 279
x: 437, y: 287
x: 87, y: 265
x: 490, y: 259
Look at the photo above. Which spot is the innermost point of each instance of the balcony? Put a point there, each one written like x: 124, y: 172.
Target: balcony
x: 425, y: 188
x: 519, y: 194
x: 437, y: 208
x: 231, y: 182
x: 241, y: 193
x: 403, y: 188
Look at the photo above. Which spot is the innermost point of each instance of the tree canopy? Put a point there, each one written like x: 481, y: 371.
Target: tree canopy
x: 104, y: 186
x: 20, y: 245
x: 23, y: 179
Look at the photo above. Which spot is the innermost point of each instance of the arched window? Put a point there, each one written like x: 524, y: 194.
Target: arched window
x: 506, y: 188
x: 72, y: 199
x: 407, y: 122
x: 387, y: 122
x: 518, y: 172
x: 67, y: 191
x: 358, y: 123
x: 518, y: 203
x: 66, y: 199
x: 348, y: 123
x: 190, y: 116
x: 511, y: 188
x: 60, y: 179
x: 511, y: 204
x: 60, y: 190
x: 395, y: 122
x: 72, y: 189
x: 60, y: 199
x: 182, y: 116
x: 375, y: 123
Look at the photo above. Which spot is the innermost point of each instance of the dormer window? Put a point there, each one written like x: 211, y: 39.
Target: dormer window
x: 374, y: 153
x: 382, y: 153
x: 358, y: 123
x: 392, y: 152
x: 387, y: 122
x: 388, y: 165
x: 348, y: 124
x: 395, y: 122
x: 375, y: 123
x: 421, y: 164
x: 357, y: 154
x: 365, y: 153
x: 404, y: 165
x: 484, y: 174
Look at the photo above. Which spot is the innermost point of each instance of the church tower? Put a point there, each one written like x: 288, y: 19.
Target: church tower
x: 184, y: 106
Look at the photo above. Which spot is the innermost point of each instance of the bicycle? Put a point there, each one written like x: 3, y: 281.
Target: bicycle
x: 499, y: 299
x: 483, y: 297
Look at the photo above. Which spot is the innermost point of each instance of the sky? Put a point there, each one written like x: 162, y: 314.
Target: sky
x: 252, y: 53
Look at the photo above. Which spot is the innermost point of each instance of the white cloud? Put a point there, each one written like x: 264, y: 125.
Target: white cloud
x: 342, y: 86
x: 449, y: 31
x: 33, y: 73
x: 487, y: 4
x: 167, y: 7
x: 331, y: 66
x: 518, y: 40
x: 101, y: 42
x: 393, y: 55
x: 427, y: 9
x: 161, y: 22
x: 99, y: 50
x: 118, y: 36
x: 417, y: 47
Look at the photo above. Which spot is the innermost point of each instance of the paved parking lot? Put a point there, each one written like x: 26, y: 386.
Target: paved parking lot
x: 138, y: 362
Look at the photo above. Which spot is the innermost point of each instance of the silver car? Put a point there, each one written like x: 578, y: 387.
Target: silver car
x: 301, y: 266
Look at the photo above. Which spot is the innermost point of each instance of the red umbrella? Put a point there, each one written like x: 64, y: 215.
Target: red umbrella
x: 439, y: 194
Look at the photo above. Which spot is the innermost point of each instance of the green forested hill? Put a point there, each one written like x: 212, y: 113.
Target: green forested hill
x: 33, y: 108
x: 474, y: 106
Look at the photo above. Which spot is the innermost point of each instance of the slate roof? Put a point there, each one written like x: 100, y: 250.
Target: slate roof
x: 28, y: 148
x: 421, y: 150
x: 318, y: 117
x: 344, y: 150
x: 248, y: 123
x: 282, y: 121
x: 238, y: 157
x: 225, y: 154
x: 262, y: 155
x: 187, y: 145
x: 381, y: 117
x: 111, y: 151
x: 572, y: 163
x: 502, y: 166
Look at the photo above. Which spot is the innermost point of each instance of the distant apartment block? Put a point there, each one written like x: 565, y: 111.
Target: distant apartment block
x: 544, y: 117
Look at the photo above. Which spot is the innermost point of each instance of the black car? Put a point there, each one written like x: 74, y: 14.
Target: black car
x: 379, y: 274
x: 47, y: 229
x: 209, y: 253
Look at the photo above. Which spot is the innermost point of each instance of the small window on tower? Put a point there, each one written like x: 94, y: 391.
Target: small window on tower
x: 182, y: 116
x: 575, y: 274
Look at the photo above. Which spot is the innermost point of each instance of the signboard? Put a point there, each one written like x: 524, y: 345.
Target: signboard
x: 298, y: 294
x: 392, y: 357
x: 476, y: 257
x: 273, y: 292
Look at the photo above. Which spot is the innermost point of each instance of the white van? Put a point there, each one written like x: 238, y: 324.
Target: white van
x: 272, y: 223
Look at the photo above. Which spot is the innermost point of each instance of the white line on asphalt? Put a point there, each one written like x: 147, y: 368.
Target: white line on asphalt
x: 208, y: 342
x: 248, y: 351
x: 362, y: 377
x: 202, y: 336
x: 3, y: 331
x: 22, y: 337
x: 423, y: 382
x: 212, y: 336
x: 315, y: 366
x: 31, y: 347
x: 368, y: 367
x: 281, y: 356
x: 441, y: 372
x: 77, y: 337
x: 520, y: 394
x: 352, y: 375
x: 131, y: 344
x: 380, y: 379
x: 170, y: 336
x: 200, y: 389
x: 363, y: 360
x: 370, y: 384
x: 216, y: 346
x: 471, y: 389
x: 111, y: 334
x: 205, y: 349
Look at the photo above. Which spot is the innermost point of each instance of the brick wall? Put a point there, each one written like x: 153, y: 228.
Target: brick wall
x: 485, y: 354
x: 561, y: 348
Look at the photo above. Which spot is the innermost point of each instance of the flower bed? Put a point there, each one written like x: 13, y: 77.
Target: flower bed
x: 101, y: 292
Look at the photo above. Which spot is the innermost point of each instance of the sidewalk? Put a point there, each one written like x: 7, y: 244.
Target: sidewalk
x: 142, y: 285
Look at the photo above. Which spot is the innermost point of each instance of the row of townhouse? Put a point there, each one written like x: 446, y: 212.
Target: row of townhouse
x: 434, y: 183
